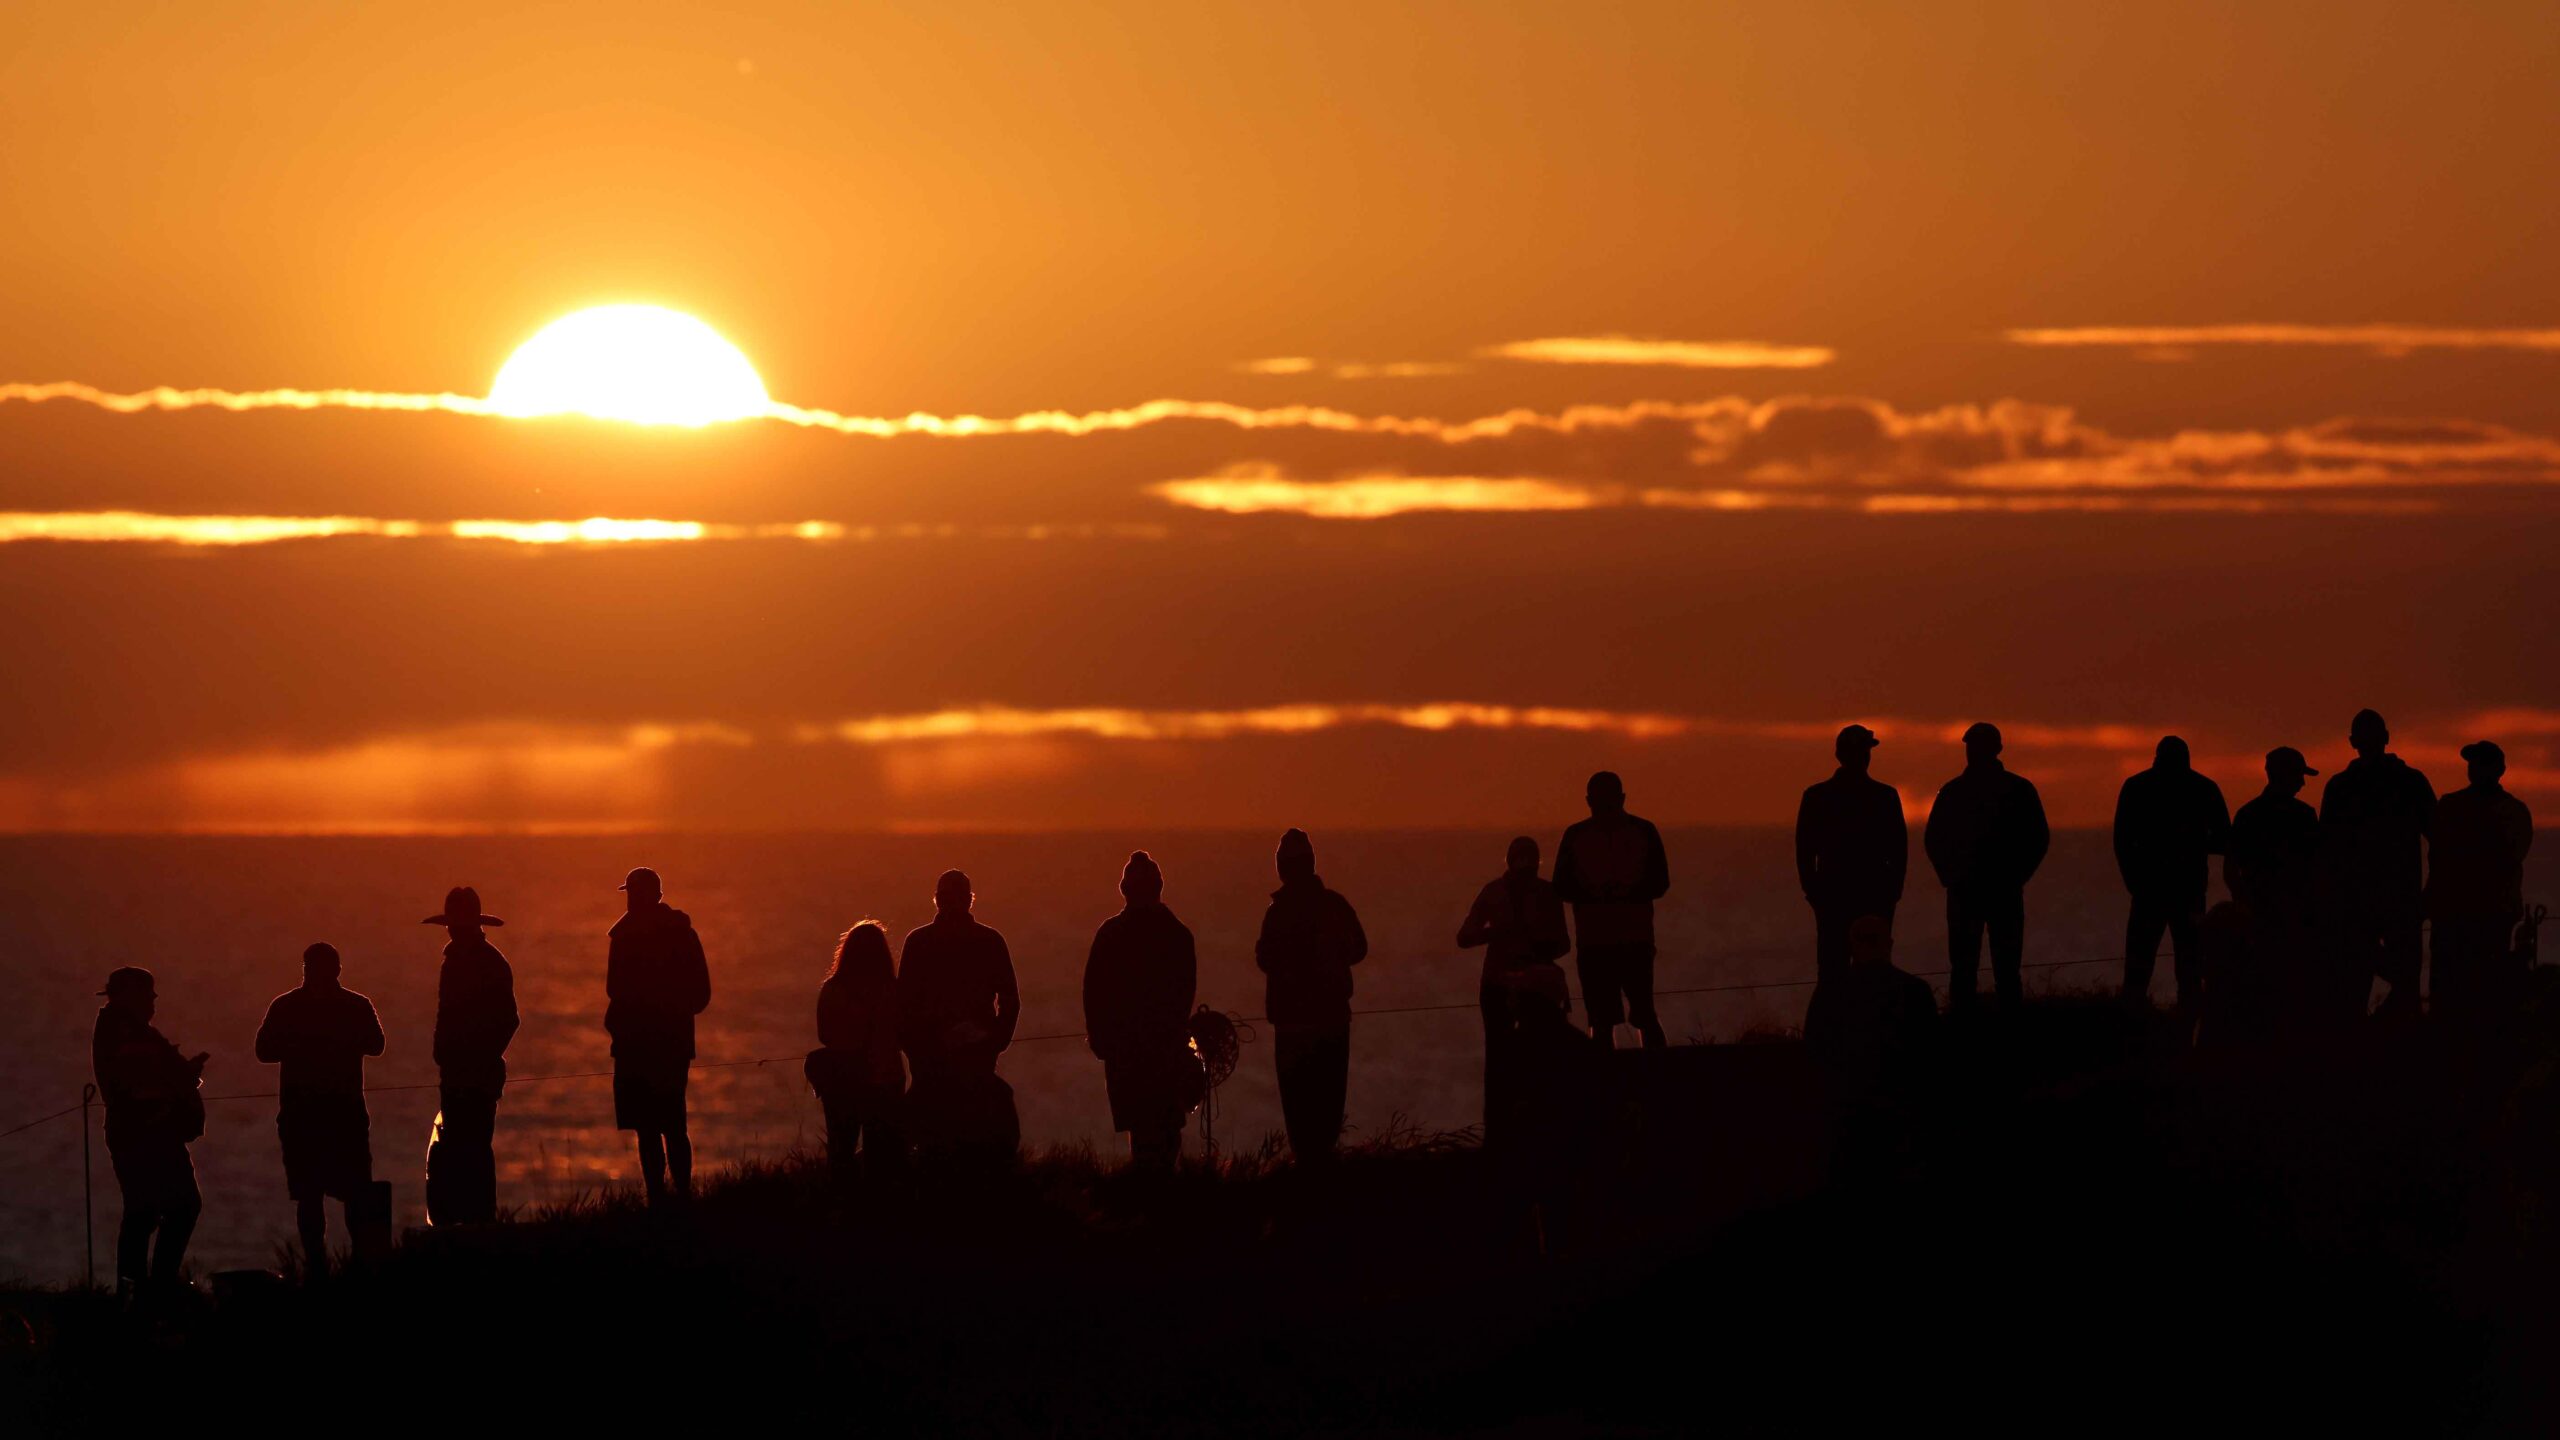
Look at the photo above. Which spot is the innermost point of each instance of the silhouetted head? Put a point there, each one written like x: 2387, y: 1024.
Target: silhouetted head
x: 1521, y: 857
x: 1870, y: 941
x: 461, y: 913
x: 2286, y: 769
x: 952, y: 895
x: 1142, y: 879
x: 129, y: 989
x: 2488, y: 763
x: 866, y: 948
x: 641, y: 889
x: 1297, y: 857
x: 320, y: 964
x: 1854, y: 747
x: 1605, y: 793
x: 1981, y: 743
x: 2368, y: 734
x: 2171, y: 754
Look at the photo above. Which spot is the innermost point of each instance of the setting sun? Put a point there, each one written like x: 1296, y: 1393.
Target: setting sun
x: 641, y: 363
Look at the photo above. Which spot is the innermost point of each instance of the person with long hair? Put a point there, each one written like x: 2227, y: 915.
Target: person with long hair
x: 857, y: 1071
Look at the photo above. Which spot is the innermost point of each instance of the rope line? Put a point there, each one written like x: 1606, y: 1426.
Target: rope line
x: 515, y: 1080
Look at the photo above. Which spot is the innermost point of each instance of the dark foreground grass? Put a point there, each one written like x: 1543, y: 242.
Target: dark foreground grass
x: 2080, y: 1228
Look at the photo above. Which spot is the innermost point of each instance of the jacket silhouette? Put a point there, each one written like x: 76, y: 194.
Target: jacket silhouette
x: 1519, y: 922
x: 1852, y: 848
x: 150, y: 1091
x: 2374, y: 819
x: 318, y: 1037
x: 2274, y: 859
x: 1985, y: 837
x: 1611, y: 868
x: 656, y: 980
x: 1311, y: 937
x: 957, y: 1007
x: 475, y: 1019
x: 1141, y: 979
x: 2169, y: 820
x: 2475, y: 887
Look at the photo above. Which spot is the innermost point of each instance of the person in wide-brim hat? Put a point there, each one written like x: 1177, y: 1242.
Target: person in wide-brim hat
x: 462, y: 911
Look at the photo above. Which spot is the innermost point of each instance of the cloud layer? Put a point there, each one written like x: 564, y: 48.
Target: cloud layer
x: 2382, y: 339
x: 1680, y: 354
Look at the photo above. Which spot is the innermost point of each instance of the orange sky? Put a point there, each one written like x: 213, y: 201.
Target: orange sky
x: 2098, y: 370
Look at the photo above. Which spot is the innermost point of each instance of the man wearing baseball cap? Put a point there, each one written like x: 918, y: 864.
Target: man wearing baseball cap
x: 2275, y: 844
x: 2475, y: 884
x: 1852, y: 849
x: 1985, y: 837
x: 153, y: 1111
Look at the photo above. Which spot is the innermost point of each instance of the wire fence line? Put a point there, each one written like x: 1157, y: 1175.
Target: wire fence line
x: 516, y: 1080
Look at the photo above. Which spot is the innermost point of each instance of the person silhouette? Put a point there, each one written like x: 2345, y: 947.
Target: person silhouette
x: 2475, y: 885
x: 154, y: 1109
x: 318, y: 1036
x: 1985, y: 837
x: 1870, y: 1027
x: 656, y: 980
x: 1311, y: 937
x: 475, y: 1018
x: 957, y: 1007
x: 2275, y: 843
x: 2169, y: 819
x: 858, y: 1070
x: 2273, y: 872
x: 1519, y: 923
x: 2374, y: 819
x: 1852, y: 849
x: 1610, y: 869
x: 1141, y: 979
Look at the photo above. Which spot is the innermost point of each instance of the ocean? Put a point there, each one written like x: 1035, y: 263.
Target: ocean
x: 222, y: 922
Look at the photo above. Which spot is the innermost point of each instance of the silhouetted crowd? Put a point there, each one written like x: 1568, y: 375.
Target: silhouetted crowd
x: 2322, y: 903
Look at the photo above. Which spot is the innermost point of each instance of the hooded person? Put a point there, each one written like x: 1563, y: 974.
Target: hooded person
x: 2475, y: 885
x: 475, y: 1020
x: 1519, y: 924
x: 1853, y: 848
x: 2375, y: 816
x: 2169, y: 820
x: 1141, y: 979
x: 153, y: 1111
x: 656, y: 980
x: 1985, y: 837
x: 1311, y: 937
x: 318, y: 1037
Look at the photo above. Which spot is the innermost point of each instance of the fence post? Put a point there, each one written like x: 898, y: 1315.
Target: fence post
x: 88, y: 1203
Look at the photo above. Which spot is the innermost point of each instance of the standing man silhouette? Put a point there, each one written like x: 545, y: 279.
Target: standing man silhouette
x: 1311, y: 937
x: 2475, y: 884
x: 475, y: 1018
x: 153, y: 1111
x: 1986, y: 836
x: 656, y: 980
x: 1140, y: 980
x: 2168, y: 820
x: 1610, y: 869
x: 318, y: 1037
x: 2375, y: 816
x: 957, y: 1007
x: 1852, y: 849
x: 2275, y: 844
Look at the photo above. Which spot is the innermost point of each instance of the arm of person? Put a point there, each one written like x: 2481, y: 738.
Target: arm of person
x: 1096, y: 1025
x: 1353, y: 939
x: 1657, y: 866
x: 2037, y: 837
x: 1266, y: 945
x: 1808, y: 865
x: 1898, y: 864
x: 270, y: 1044
x: 370, y: 1041
x: 1008, y: 999
x: 2217, y: 838
x: 1477, y: 929
x: 697, y: 971
x: 1568, y: 871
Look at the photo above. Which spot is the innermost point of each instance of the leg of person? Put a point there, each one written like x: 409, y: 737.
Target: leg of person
x: 311, y: 1218
x: 1603, y: 1002
x: 1289, y: 1057
x: 1635, y: 978
x: 844, y: 1139
x: 1334, y: 1077
x: 653, y: 1165
x: 680, y: 1156
x: 884, y: 1133
x: 141, y: 1216
x: 1830, y: 941
x: 1964, y: 949
x: 2007, y: 923
x: 178, y: 1204
x: 2143, y: 922
x: 2186, y: 954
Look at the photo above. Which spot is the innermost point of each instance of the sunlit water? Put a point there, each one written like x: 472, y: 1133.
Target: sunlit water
x: 223, y: 923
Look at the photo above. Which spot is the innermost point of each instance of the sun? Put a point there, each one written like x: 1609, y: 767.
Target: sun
x: 641, y: 363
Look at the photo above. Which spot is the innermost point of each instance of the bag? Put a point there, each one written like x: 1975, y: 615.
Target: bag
x: 186, y: 1115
